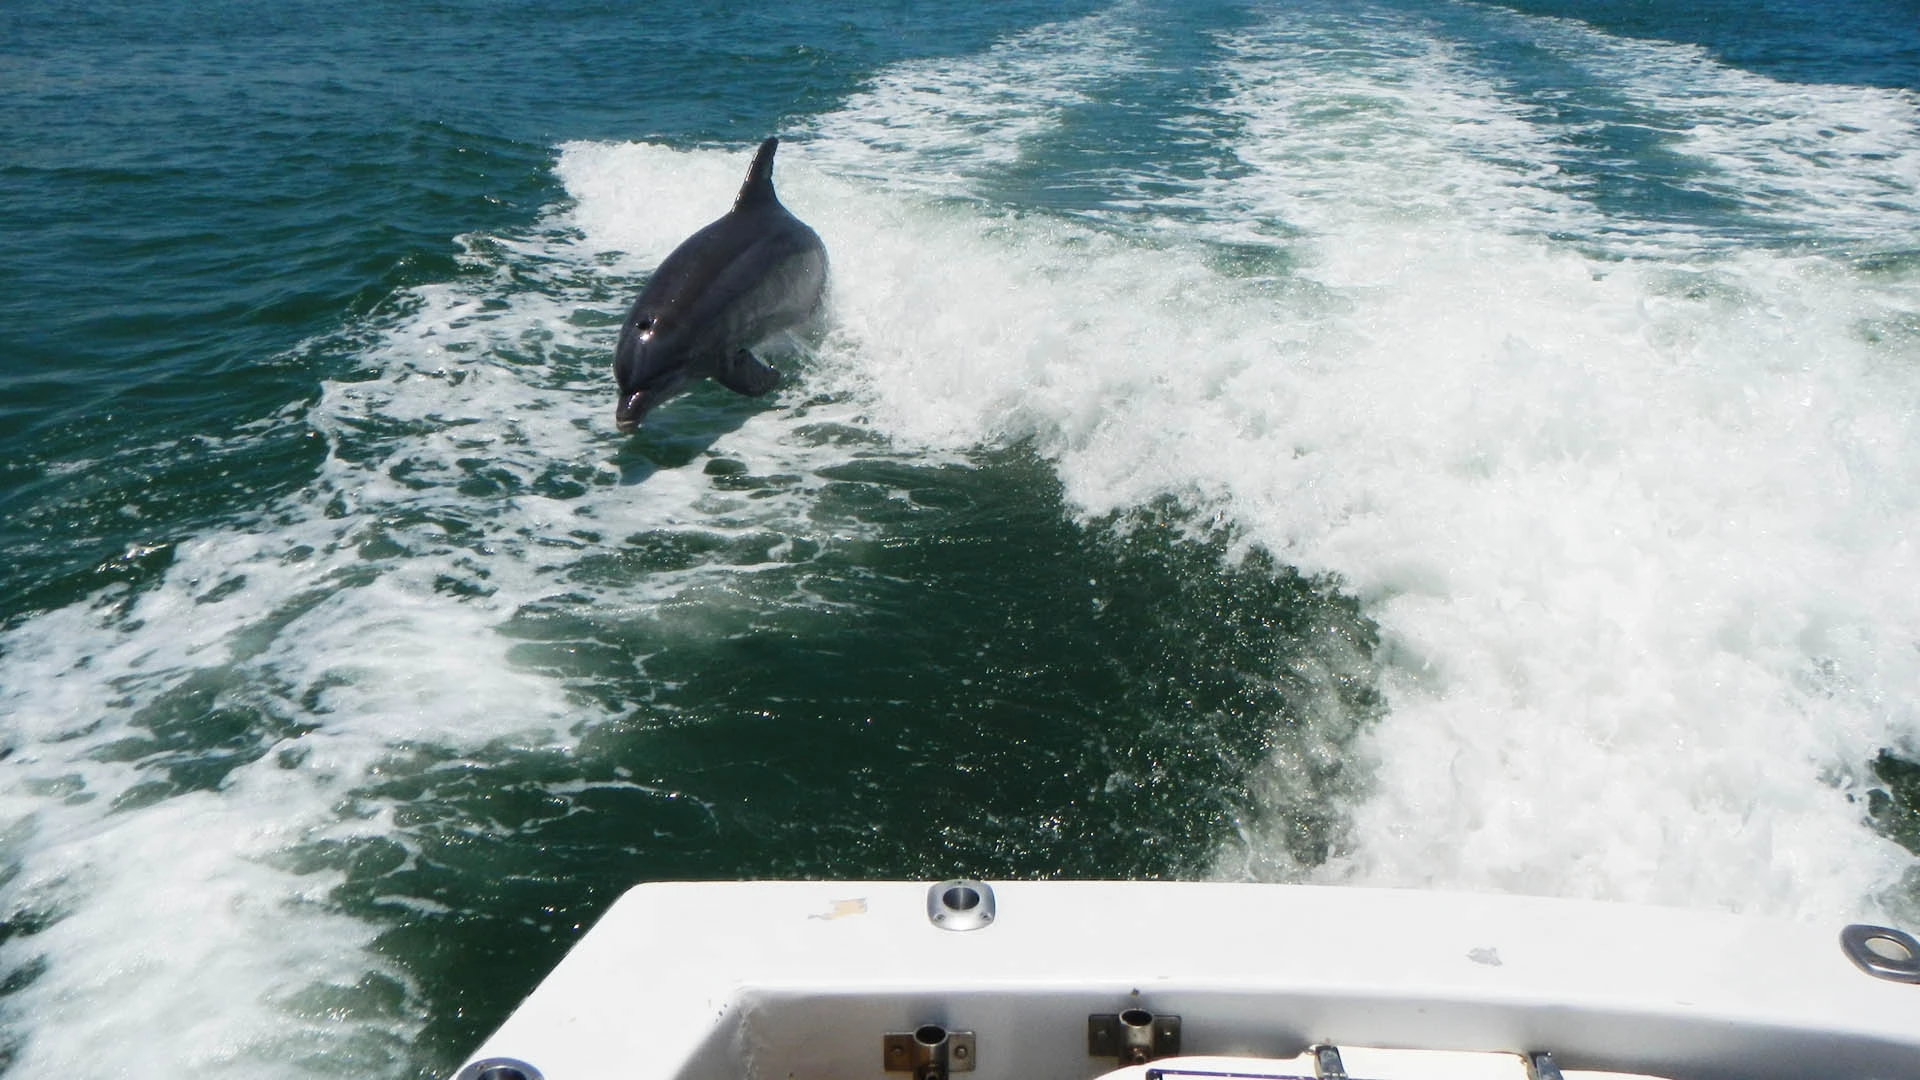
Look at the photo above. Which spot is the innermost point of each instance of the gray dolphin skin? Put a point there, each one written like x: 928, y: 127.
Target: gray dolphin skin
x: 753, y: 274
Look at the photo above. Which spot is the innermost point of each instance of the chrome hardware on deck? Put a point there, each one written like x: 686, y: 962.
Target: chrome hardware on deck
x: 960, y: 904
x: 1883, y: 952
x: 1132, y: 1036
x: 499, y: 1068
x: 929, y: 1052
x: 1540, y: 1066
x: 1327, y: 1064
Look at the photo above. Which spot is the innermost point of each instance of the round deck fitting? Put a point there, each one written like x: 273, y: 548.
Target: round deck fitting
x: 961, y: 904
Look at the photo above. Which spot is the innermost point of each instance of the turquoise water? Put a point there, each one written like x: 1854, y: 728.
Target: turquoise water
x: 1412, y: 443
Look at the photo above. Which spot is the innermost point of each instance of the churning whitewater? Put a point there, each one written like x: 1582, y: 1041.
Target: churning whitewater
x: 1417, y: 444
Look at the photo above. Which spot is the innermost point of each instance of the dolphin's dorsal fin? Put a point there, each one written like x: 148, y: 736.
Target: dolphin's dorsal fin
x: 759, y: 185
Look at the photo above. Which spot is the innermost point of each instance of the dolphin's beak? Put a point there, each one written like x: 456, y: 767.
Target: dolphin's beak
x: 626, y: 415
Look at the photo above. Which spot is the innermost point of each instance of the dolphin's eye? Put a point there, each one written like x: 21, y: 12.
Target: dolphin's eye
x: 645, y: 325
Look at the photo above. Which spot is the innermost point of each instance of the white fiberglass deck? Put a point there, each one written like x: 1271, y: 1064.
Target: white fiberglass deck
x: 806, y: 980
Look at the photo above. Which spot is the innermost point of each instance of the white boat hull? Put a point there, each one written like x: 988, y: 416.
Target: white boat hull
x: 805, y: 980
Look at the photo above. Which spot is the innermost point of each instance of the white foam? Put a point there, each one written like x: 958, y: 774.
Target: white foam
x: 1630, y: 531
x: 1384, y: 128
x: 184, y: 942
x: 1829, y: 165
x: 1635, y: 533
x: 957, y: 122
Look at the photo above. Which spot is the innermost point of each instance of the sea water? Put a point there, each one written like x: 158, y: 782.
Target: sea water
x: 1408, y: 443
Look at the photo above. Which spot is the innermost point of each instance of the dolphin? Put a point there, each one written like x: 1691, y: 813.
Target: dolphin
x: 753, y: 274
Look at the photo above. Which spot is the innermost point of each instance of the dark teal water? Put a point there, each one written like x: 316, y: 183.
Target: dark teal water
x: 1411, y: 443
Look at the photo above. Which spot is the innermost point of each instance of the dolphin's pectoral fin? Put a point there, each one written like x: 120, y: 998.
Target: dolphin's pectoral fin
x: 744, y: 373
